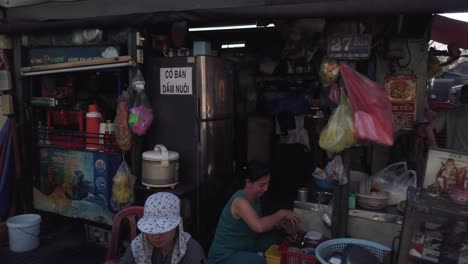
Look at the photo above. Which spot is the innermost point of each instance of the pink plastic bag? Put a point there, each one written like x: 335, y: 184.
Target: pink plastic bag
x: 334, y: 94
x: 371, y: 107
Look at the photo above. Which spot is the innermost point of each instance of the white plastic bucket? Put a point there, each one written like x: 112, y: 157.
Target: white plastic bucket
x: 23, y: 232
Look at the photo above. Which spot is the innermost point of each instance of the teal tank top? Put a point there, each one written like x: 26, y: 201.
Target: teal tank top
x: 234, y: 233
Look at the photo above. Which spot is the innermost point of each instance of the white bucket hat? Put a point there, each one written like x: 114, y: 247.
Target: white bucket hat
x: 161, y: 213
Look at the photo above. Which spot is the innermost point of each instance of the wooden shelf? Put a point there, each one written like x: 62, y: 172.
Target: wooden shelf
x: 100, y: 63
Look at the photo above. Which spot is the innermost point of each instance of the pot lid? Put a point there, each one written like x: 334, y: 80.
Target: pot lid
x: 160, y: 153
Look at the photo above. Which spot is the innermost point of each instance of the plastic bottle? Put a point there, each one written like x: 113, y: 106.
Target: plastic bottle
x: 93, y: 119
x: 108, y: 138
x: 40, y: 135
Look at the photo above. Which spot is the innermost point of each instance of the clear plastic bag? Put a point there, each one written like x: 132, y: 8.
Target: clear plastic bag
x: 338, y: 134
x: 395, y: 179
x: 335, y: 170
x: 122, y: 189
x: 327, y: 212
x: 141, y: 113
x: 122, y: 133
x: 371, y: 106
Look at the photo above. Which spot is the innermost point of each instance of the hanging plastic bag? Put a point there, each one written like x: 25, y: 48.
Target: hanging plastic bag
x: 335, y: 171
x: 141, y: 113
x: 395, y: 179
x: 338, y: 134
x: 334, y: 94
x: 371, y: 106
x: 122, y: 190
x: 122, y: 133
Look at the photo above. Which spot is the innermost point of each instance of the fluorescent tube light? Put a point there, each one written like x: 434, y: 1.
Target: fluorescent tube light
x: 247, y: 26
x: 233, y: 45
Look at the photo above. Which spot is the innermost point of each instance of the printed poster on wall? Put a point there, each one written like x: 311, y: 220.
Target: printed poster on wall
x: 446, y: 168
x: 402, y: 91
x: 76, y: 183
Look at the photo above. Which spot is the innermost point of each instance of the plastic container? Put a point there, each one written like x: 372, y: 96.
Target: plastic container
x: 373, y: 200
x: 322, y: 183
x: 314, y: 236
x: 326, y: 249
x: 302, y: 194
x: 352, y: 201
x: 273, y: 255
x: 93, y: 121
x: 23, y: 232
x: 201, y: 48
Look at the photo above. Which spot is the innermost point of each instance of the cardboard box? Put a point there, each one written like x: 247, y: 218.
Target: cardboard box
x: 76, y: 183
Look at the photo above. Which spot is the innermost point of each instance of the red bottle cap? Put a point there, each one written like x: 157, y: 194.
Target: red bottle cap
x: 92, y: 108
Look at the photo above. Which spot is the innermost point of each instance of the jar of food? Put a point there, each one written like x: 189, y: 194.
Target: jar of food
x: 313, y: 238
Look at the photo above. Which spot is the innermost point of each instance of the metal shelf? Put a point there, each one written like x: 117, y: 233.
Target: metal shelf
x: 441, y: 205
x: 291, y: 77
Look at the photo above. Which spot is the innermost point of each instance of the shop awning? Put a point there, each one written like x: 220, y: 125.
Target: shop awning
x: 446, y: 30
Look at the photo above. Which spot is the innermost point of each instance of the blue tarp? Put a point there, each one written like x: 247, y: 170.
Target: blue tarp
x: 7, y: 169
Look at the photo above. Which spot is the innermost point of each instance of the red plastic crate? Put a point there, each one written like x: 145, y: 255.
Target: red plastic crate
x: 295, y: 258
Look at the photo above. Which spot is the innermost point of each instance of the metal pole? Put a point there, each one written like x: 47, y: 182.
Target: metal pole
x: 340, y: 205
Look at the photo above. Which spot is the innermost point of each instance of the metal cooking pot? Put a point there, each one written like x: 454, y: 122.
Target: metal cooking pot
x: 160, y: 167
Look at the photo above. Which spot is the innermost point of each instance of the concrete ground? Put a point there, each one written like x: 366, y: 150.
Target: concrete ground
x: 62, y: 240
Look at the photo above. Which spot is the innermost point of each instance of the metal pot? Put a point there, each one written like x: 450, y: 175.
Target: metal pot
x: 160, y: 167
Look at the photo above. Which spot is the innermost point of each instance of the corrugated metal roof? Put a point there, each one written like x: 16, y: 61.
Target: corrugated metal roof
x: 16, y: 3
x: 43, y: 10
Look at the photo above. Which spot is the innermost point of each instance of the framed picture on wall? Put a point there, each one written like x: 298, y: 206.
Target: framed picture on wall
x: 446, y: 168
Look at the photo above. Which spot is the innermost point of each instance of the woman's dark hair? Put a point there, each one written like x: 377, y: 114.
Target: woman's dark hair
x: 255, y: 170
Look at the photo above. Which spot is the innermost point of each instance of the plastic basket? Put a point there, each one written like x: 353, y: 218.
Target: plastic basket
x: 295, y: 258
x: 273, y: 256
x: 328, y: 248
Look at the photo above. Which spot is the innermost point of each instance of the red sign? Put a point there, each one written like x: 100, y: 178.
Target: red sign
x: 402, y: 91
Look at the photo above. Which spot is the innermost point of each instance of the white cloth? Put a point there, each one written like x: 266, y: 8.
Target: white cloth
x: 298, y: 135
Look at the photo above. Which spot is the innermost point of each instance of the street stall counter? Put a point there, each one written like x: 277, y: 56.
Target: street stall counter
x: 377, y: 226
x: 76, y: 183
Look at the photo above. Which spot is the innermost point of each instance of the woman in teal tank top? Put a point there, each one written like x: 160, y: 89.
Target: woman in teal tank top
x: 243, y: 233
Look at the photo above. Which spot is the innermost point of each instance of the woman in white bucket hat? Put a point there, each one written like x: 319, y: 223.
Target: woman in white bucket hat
x: 162, y: 239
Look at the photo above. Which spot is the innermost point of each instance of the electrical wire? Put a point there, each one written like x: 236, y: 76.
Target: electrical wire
x: 409, y: 56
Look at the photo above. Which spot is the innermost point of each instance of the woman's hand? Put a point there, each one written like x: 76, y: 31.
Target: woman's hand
x: 290, y: 217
